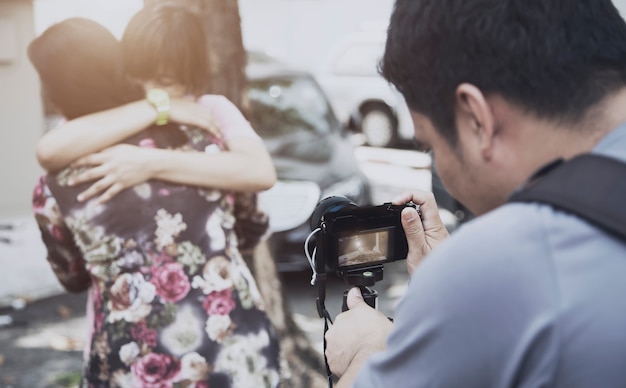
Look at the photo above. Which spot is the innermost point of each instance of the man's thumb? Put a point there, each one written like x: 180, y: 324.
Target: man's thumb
x: 354, y: 297
x: 412, y: 225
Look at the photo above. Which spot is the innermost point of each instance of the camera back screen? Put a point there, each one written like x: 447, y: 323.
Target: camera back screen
x: 364, y: 248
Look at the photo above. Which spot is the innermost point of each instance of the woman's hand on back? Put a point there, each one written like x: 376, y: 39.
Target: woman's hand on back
x: 187, y: 111
x: 113, y: 169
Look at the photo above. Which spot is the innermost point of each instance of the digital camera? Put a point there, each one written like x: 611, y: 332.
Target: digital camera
x: 353, y: 238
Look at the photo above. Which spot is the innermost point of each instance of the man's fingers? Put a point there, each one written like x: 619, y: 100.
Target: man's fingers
x: 423, y: 229
x: 413, y: 227
x: 415, y: 236
x: 427, y: 207
x: 354, y: 297
x: 429, y: 210
x: 403, y: 198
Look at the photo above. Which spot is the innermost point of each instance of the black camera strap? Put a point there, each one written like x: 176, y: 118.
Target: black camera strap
x: 320, y: 282
x: 590, y: 186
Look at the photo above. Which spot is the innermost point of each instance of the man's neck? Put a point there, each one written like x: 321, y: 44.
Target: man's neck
x: 545, y: 141
x: 606, y: 116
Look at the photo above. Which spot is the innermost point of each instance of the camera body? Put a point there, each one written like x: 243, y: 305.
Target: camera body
x: 355, y: 239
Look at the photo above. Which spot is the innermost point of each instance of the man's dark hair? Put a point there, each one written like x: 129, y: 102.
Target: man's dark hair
x: 167, y: 42
x: 553, y: 58
x: 81, y: 68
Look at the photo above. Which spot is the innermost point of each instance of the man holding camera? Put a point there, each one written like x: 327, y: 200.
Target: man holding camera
x: 526, y: 294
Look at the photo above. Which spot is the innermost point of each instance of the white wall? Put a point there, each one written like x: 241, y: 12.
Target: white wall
x: 299, y: 31
x: 302, y: 31
x: 21, y: 118
x: 113, y: 14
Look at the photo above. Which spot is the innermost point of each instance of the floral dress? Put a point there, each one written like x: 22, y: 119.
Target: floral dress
x: 174, y: 303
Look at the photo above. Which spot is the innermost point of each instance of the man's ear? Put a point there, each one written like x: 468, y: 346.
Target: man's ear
x: 475, y: 117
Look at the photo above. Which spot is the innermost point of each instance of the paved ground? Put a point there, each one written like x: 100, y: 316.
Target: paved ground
x: 40, y: 348
x: 40, y: 325
x: 25, y: 273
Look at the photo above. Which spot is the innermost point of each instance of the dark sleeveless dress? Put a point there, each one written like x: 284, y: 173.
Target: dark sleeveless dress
x: 173, y: 302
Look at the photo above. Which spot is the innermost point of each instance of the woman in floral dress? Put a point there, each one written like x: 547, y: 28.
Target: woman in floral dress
x: 173, y: 302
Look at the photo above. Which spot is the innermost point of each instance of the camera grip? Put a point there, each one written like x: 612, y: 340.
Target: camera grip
x: 369, y: 296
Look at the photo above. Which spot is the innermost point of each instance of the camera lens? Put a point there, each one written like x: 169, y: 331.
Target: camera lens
x: 329, y: 205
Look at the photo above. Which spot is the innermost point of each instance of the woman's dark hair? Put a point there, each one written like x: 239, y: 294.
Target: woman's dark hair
x: 81, y: 68
x: 553, y: 58
x: 167, y: 42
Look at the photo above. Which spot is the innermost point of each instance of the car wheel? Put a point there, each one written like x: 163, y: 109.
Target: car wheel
x: 379, y: 127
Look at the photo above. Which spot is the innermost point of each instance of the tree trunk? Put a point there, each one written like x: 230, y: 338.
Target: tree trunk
x: 304, y: 366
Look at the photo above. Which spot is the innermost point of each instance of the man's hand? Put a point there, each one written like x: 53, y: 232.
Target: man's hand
x: 114, y: 169
x: 422, y: 234
x: 355, y: 335
x: 187, y: 111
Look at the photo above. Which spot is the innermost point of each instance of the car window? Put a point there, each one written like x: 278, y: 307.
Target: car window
x: 285, y: 106
x: 360, y: 59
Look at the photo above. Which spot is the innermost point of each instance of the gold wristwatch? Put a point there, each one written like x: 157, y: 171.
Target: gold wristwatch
x: 160, y: 100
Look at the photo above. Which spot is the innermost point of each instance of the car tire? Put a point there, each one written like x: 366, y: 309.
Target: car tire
x: 378, y: 126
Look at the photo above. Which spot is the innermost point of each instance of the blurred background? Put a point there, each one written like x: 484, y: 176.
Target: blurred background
x: 321, y: 56
x: 314, y: 57
x: 301, y: 31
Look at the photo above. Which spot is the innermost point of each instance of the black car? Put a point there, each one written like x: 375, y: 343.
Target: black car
x: 310, y: 150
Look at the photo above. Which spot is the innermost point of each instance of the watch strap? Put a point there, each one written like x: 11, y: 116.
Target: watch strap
x: 160, y: 100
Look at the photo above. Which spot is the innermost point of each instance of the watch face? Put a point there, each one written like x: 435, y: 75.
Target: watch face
x: 160, y: 99
x: 157, y: 96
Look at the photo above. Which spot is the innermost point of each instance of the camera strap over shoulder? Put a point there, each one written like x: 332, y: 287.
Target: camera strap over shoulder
x: 590, y: 186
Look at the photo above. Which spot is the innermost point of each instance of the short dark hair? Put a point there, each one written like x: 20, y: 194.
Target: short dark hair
x: 81, y: 68
x: 553, y: 58
x: 167, y: 40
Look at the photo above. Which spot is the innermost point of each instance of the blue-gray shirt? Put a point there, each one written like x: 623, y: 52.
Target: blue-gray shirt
x: 524, y: 296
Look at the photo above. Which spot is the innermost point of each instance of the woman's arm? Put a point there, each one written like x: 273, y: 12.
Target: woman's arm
x: 246, y: 166
x: 82, y: 136
x: 249, y: 168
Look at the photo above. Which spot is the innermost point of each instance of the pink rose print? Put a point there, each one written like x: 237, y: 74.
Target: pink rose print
x: 161, y: 259
x: 142, y: 333
x: 39, y: 199
x: 57, y: 233
x: 219, y: 303
x: 155, y: 370
x: 147, y: 142
x: 230, y: 199
x: 171, y: 282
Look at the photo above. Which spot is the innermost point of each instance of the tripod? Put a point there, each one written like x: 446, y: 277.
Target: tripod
x: 364, y: 279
